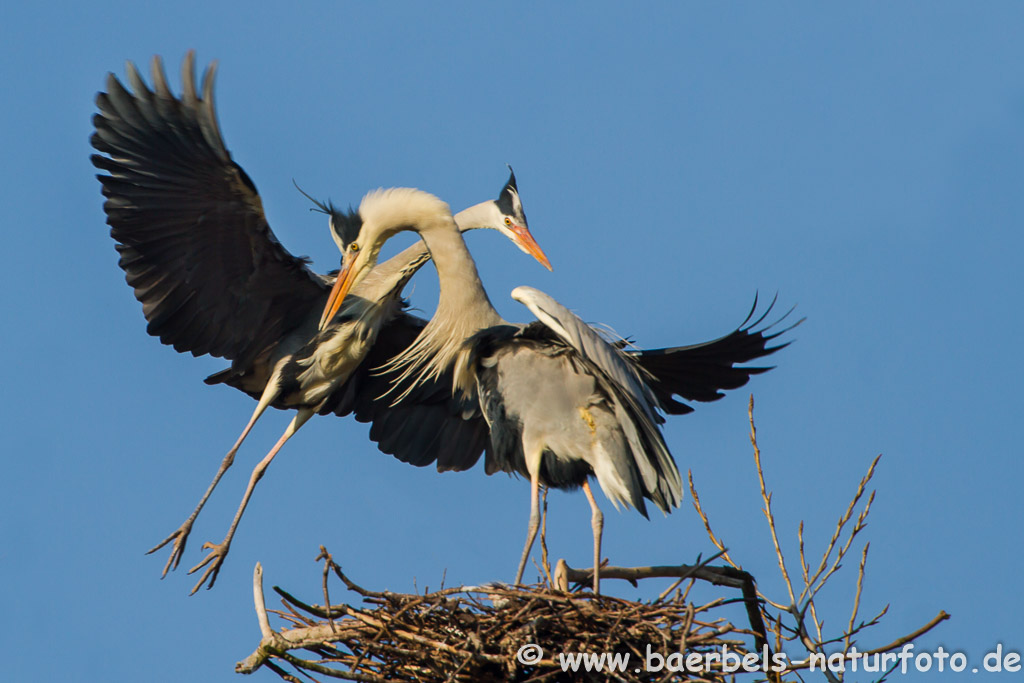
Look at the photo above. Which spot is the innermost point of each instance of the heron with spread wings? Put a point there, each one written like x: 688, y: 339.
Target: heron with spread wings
x: 562, y: 404
x: 212, y: 278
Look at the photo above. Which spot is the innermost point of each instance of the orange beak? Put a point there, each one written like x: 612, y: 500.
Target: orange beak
x: 525, y: 240
x: 338, y: 292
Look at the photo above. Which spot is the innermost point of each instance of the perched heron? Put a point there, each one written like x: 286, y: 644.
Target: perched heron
x: 212, y: 278
x: 562, y: 403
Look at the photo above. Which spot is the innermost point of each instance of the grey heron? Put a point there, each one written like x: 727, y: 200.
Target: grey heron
x: 562, y: 403
x: 213, y: 279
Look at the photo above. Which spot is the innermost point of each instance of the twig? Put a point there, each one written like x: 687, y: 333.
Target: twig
x: 261, y: 605
x: 707, y: 524
x: 898, y: 643
x: 844, y: 518
x: 328, y: 561
x: 270, y: 642
x: 850, y: 630
x: 766, y: 497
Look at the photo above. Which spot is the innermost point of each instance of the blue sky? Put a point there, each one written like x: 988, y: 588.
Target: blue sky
x: 674, y: 158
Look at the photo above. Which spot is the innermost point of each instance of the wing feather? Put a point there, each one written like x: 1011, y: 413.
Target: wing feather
x: 635, y: 403
x: 189, y: 224
x: 701, y: 372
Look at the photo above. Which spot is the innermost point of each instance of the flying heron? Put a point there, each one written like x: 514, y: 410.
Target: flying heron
x: 212, y: 278
x: 562, y: 403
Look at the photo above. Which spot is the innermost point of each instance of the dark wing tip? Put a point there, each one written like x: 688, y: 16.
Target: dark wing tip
x: 188, y: 222
x: 701, y: 372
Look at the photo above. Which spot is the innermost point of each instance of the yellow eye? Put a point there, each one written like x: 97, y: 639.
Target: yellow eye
x: 508, y: 221
x: 354, y: 246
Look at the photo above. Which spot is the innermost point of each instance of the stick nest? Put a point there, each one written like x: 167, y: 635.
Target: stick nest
x: 478, y: 633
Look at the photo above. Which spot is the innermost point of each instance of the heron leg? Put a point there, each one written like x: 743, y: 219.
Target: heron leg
x: 219, y: 551
x: 597, y: 524
x: 531, y: 534
x: 180, y: 536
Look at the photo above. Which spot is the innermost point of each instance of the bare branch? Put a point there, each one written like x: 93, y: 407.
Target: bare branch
x: 843, y: 521
x: 850, y: 630
x: 707, y: 524
x: 766, y: 497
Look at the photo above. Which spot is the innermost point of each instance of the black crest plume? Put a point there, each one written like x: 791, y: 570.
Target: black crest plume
x: 345, y: 224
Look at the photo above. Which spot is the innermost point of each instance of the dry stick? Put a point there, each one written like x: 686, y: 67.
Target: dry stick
x: 352, y: 586
x: 687, y: 624
x: 804, y: 568
x: 805, y: 573
x: 857, y: 528
x: 281, y: 672
x: 299, y: 663
x: 811, y: 590
x: 686, y: 593
x: 675, y: 584
x: 467, y: 660
x: 767, y: 498
x: 269, y: 644
x: 715, y: 540
x: 794, y: 609
x: 860, y: 627
x: 671, y: 587
x: 718, y: 576
x: 683, y: 571
x: 417, y: 638
x: 362, y: 655
x: 707, y: 524
x: 843, y: 520
x: 385, y: 629
x: 328, y: 560
x: 261, y: 605
x: 856, y: 597
x: 293, y: 616
x: 898, y: 643
x: 805, y: 640
x: 315, y: 610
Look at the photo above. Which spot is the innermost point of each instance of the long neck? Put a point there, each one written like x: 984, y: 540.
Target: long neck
x: 480, y: 215
x: 463, y: 309
x: 397, y: 270
x: 463, y: 302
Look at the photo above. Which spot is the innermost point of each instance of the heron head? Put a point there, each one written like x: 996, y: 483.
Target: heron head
x: 355, y: 263
x: 382, y: 214
x: 511, y: 221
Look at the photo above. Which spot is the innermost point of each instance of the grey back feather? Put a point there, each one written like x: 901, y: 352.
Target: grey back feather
x: 654, y: 462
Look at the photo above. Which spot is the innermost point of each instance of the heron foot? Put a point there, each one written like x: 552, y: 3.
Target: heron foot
x: 180, y: 537
x: 215, y: 558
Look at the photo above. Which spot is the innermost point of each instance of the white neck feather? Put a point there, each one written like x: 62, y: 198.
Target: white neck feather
x: 463, y: 307
x: 385, y: 276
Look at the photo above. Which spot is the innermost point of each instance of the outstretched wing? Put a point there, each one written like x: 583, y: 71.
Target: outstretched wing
x: 189, y: 225
x: 701, y: 372
x: 635, y: 402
